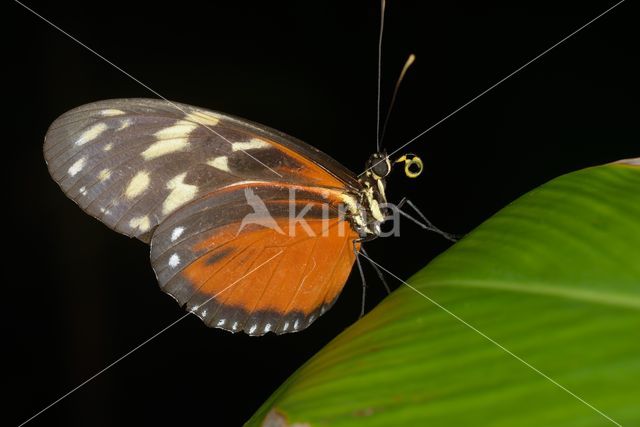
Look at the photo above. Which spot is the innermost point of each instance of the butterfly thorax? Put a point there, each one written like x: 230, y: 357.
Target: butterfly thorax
x: 367, y: 208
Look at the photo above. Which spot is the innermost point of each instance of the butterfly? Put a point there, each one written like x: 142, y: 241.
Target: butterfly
x: 250, y: 229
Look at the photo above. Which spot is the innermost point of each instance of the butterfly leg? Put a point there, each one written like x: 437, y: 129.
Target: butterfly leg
x: 427, y: 225
x: 364, y: 281
x: 401, y: 203
x: 378, y: 271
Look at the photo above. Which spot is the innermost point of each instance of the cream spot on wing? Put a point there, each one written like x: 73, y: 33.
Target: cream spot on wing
x: 221, y: 322
x: 202, y: 117
x: 104, y: 175
x: 180, y: 194
x: 77, y: 166
x: 83, y: 190
x: 124, y: 124
x: 107, y: 147
x: 142, y: 223
x: 180, y: 129
x: 221, y: 163
x: 111, y: 112
x: 176, y: 233
x: 253, y: 329
x: 174, y: 261
x: 138, y: 184
x: 92, y: 133
x: 164, y: 147
x: 253, y: 144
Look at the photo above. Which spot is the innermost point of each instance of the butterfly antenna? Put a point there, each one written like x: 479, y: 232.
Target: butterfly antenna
x: 378, y: 271
x: 364, y: 282
x: 407, y: 64
x: 382, y: 8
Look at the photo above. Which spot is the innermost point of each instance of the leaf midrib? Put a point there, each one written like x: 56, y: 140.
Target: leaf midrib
x: 596, y: 297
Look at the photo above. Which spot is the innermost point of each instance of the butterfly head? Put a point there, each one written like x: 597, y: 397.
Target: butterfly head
x: 379, y: 165
x: 373, y: 200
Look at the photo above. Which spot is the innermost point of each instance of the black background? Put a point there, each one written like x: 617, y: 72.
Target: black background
x: 80, y: 296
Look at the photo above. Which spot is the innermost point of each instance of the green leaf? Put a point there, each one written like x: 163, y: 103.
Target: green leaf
x: 554, y: 278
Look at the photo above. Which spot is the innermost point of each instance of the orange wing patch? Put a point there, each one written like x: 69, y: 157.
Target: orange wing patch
x: 301, y: 281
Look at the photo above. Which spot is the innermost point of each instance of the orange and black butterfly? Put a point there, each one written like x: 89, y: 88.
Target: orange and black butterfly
x: 250, y: 229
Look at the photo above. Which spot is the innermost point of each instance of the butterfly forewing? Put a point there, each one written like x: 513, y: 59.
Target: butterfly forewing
x: 142, y: 164
x: 132, y: 162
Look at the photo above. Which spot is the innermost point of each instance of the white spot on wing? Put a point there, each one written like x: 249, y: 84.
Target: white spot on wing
x: 77, y: 166
x: 221, y: 322
x: 202, y: 117
x: 176, y: 233
x: 267, y: 327
x: 296, y: 324
x: 285, y: 326
x: 124, y: 124
x: 312, y: 318
x: 92, y: 133
x: 253, y: 329
x: 221, y: 163
x: 112, y: 112
x: 174, y: 260
x: 83, y: 190
x: 234, y: 326
x: 204, y: 313
x: 104, y: 175
x: 180, y: 194
x: 253, y: 144
x: 138, y: 184
x: 141, y: 222
x: 163, y: 147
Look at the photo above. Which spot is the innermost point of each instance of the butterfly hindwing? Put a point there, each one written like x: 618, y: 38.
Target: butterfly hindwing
x: 238, y: 261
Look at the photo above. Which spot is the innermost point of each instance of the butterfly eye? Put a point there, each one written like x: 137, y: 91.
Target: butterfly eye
x: 379, y: 165
x: 381, y: 168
